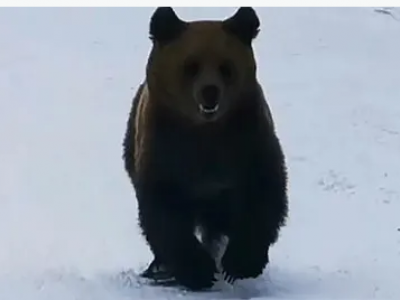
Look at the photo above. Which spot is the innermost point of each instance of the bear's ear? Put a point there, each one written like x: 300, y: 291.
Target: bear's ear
x: 165, y: 25
x: 244, y: 24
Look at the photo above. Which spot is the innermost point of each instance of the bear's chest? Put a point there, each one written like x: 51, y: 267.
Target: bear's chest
x: 205, y: 166
x: 210, y: 169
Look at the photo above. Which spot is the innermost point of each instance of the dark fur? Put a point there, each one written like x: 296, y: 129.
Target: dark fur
x: 227, y: 177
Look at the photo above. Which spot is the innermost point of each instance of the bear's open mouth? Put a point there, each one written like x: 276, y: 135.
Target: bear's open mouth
x: 208, y: 110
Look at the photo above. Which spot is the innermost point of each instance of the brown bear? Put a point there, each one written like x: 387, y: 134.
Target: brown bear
x: 202, y: 152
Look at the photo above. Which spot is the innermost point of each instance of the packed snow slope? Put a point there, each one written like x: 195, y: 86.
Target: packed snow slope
x: 68, y: 224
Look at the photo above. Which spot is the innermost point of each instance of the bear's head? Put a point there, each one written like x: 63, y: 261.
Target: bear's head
x: 201, y: 70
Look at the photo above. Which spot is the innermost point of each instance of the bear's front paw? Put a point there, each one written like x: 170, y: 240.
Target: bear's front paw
x: 196, y: 271
x: 239, y: 262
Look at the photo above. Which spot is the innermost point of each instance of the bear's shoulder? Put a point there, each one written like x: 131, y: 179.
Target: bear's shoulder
x: 134, y: 135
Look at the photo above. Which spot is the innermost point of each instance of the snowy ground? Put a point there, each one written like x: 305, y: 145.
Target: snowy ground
x: 68, y: 213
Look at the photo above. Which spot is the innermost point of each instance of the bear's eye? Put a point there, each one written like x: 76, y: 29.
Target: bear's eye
x: 226, y: 70
x: 191, y: 69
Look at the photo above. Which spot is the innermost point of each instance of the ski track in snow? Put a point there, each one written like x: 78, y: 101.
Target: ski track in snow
x: 68, y: 223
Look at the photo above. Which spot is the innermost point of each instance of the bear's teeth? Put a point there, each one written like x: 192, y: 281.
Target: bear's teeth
x: 209, y: 110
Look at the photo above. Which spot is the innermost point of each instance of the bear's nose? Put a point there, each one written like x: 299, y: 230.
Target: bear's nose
x: 210, y: 95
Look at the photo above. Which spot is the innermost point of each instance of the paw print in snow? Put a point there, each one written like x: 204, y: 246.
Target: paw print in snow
x: 389, y: 195
x: 333, y: 182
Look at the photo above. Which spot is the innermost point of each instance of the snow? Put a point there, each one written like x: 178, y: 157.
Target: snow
x: 68, y: 224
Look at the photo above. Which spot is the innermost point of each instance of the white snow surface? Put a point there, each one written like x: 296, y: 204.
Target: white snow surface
x: 68, y: 219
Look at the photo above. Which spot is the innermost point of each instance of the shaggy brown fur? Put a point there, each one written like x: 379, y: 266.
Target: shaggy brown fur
x: 223, y: 172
